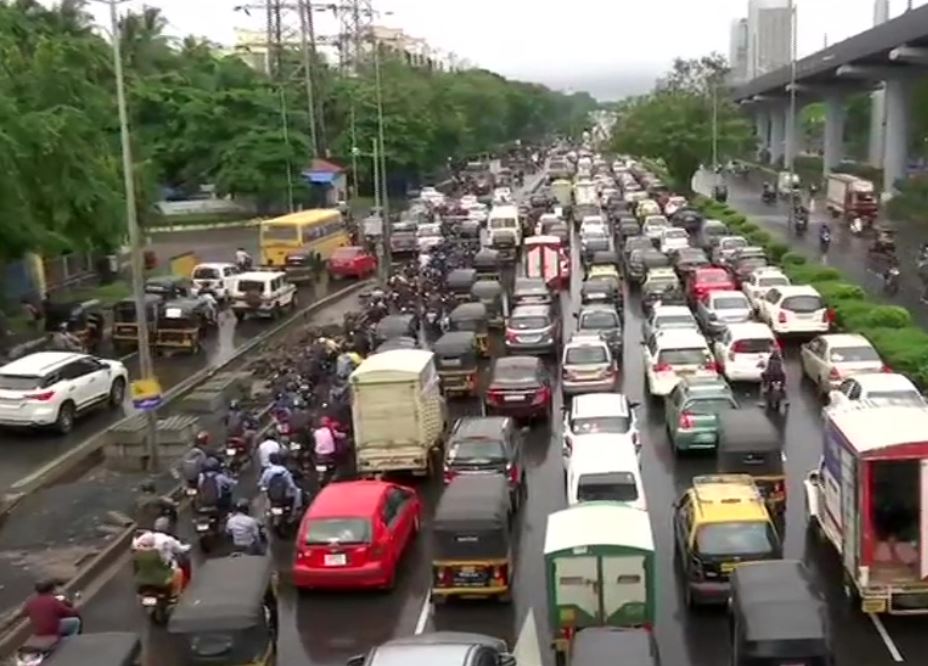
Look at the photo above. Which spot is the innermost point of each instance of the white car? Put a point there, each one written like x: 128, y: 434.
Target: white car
x: 673, y: 205
x: 762, y: 280
x: 587, y: 366
x: 599, y: 415
x: 215, y: 278
x: 602, y: 468
x: 428, y: 236
x: 502, y: 195
x: 654, y: 226
x: 726, y: 247
x: 431, y: 195
x: 829, y: 359
x: 743, y: 351
x: 593, y: 224
x: 675, y: 353
x: 672, y: 239
x: 469, y: 200
x: 664, y: 317
x: 796, y: 309
x: 882, y: 387
x: 51, y: 388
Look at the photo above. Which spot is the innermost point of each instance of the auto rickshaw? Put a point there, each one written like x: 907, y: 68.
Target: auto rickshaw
x: 602, y: 290
x: 492, y: 295
x: 84, y: 321
x: 720, y: 193
x: 182, y: 322
x: 169, y: 287
x: 396, y: 326
x: 460, y: 281
x: 750, y: 444
x: 605, y: 258
x: 885, y: 241
x: 111, y: 648
x: 456, y: 360
x: 472, y: 317
x: 776, y: 617
x: 401, y: 342
x: 562, y: 231
x: 228, y: 615
x: 469, y: 231
x: 125, y: 332
x: 471, y: 552
x: 487, y: 264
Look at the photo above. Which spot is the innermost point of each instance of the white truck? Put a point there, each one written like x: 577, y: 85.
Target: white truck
x: 585, y: 193
x: 398, y: 413
x: 505, y: 230
x: 848, y: 196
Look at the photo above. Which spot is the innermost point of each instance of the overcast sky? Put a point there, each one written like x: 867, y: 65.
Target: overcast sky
x: 610, y: 48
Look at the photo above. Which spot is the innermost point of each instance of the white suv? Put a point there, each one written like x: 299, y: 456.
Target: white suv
x: 51, y: 388
x: 599, y: 415
x: 797, y: 309
x: 672, y: 354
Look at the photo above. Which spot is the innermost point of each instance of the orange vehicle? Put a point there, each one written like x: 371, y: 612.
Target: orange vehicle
x: 545, y: 257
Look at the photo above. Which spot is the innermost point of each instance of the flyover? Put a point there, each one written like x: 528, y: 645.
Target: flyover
x: 889, y: 56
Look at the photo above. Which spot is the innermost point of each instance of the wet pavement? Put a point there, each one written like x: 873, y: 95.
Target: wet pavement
x: 326, y: 629
x: 848, y: 253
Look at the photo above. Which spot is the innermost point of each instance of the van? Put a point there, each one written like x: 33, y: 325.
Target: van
x: 263, y: 293
x: 604, y: 467
x: 504, y: 221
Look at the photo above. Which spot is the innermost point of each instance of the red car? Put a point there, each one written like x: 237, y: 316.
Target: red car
x: 354, y: 534
x: 519, y: 387
x: 703, y: 280
x: 352, y: 261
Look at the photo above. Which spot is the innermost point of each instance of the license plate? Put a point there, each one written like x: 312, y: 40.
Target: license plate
x: 514, y: 398
x: 191, y: 492
x: 231, y: 452
x: 202, y: 527
x: 320, y: 468
x: 295, y: 446
x: 705, y: 438
x: 529, y: 338
x: 277, y: 511
x: 874, y: 605
x: 468, y: 570
x: 148, y: 602
x: 728, y: 567
x: 804, y: 317
x: 335, y: 560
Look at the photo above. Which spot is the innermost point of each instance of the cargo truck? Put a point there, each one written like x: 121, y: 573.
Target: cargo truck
x: 848, y: 197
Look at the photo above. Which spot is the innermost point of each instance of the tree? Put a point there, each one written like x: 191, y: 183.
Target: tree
x: 697, y: 75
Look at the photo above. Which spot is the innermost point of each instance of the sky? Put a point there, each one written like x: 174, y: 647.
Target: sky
x: 609, y: 48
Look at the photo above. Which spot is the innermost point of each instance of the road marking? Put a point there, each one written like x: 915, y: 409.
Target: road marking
x: 887, y: 639
x: 424, y: 614
x: 527, y: 652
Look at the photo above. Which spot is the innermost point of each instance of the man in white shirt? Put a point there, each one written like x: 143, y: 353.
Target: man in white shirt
x: 265, y: 449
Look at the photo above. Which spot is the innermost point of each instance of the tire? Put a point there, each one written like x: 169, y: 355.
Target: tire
x: 65, y: 421
x: 160, y: 614
x: 117, y: 392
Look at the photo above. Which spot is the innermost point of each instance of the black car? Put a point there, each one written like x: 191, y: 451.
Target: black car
x: 688, y: 259
x: 487, y: 445
x: 531, y: 291
x: 687, y: 218
x: 605, y: 321
x: 641, y: 261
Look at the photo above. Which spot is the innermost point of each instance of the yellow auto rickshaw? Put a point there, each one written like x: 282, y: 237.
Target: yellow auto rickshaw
x: 182, y: 323
x: 228, y: 616
x: 472, y: 317
x: 125, y: 331
x: 456, y: 361
x: 492, y: 295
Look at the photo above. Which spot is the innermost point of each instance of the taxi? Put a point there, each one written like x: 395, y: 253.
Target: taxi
x: 719, y: 523
x: 600, y: 272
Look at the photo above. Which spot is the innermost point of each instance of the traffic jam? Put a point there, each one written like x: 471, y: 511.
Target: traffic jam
x: 589, y: 426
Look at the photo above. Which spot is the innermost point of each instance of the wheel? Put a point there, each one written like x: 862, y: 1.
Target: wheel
x: 117, y: 392
x: 391, y: 580
x: 160, y: 614
x: 293, y: 302
x: 65, y: 421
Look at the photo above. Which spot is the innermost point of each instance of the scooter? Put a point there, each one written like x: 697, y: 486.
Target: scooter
x: 775, y: 396
x: 237, y: 454
x: 824, y: 242
x: 157, y: 601
x: 207, y: 525
x: 325, y: 471
x: 768, y: 196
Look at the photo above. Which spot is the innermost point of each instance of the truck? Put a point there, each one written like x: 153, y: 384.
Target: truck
x: 848, y: 197
x: 398, y: 413
x: 868, y: 498
x: 585, y: 193
x: 599, y: 571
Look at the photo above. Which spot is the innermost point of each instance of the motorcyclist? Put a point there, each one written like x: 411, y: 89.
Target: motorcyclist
x: 857, y: 225
x: 266, y: 449
x: 64, y: 340
x: 149, y: 506
x: 824, y: 237
x: 774, y: 372
x: 767, y: 190
x: 246, y: 532
x: 923, y: 254
x: 239, y: 421
x: 155, y: 557
x: 214, y: 487
x: 48, y: 615
x: 277, y: 482
x: 346, y: 363
x: 242, y: 259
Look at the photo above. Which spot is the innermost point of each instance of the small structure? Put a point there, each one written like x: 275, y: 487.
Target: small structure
x: 330, y: 179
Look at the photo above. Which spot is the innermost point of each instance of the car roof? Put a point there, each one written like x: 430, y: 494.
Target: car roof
x: 727, y: 293
x: 605, y: 453
x: 597, y: 307
x: 592, y: 405
x: 749, y: 329
x: 845, y: 340
x: 580, y: 340
x: 709, y: 270
x: 349, y: 498
x: 882, y: 381
x: 468, y: 427
x: 707, y: 385
x: 671, y: 311
x: 526, y: 362
x: 661, y: 272
x: 681, y: 337
x: 768, y: 271
x: 722, y: 239
x: 726, y: 498
x: 40, y: 363
x: 531, y: 310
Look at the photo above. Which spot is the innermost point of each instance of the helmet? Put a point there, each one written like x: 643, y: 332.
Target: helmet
x: 63, y: 327
x: 242, y: 505
x: 211, y: 465
x: 147, y: 486
x: 202, y: 438
x: 162, y: 524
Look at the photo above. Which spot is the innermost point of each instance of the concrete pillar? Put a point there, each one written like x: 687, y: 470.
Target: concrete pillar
x: 762, y: 130
x: 877, y: 128
x: 777, y: 133
x: 834, y: 133
x: 895, y: 154
x: 791, y: 134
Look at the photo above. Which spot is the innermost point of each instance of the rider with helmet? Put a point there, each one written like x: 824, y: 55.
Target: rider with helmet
x: 774, y: 371
x: 246, y: 532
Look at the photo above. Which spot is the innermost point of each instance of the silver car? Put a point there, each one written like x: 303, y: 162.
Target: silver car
x: 720, y: 308
x: 532, y: 329
x: 587, y: 366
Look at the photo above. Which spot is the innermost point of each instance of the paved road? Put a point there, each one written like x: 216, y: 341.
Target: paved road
x: 848, y: 253
x: 325, y: 629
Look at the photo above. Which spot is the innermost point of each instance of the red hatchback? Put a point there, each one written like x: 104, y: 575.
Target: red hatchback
x: 352, y: 261
x: 705, y: 280
x: 354, y: 534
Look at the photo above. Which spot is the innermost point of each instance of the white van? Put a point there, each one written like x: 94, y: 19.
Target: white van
x: 504, y: 220
x: 603, y: 467
x: 263, y: 293
x: 216, y: 278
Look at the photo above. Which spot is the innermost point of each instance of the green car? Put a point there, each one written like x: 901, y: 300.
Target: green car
x: 691, y: 411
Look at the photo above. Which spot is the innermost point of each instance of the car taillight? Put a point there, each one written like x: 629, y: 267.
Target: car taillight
x: 686, y: 421
x: 513, y: 473
x: 711, y: 365
x: 662, y: 367
x: 887, y: 369
x: 740, y: 347
x: 541, y: 396
x: 494, y: 396
x: 781, y: 317
x: 40, y: 397
x: 500, y: 572
x: 443, y: 576
x: 511, y: 336
x: 779, y: 488
x: 377, y: 551
x: 834, y: 375
x: 828, y: 316
x: 448, y: 475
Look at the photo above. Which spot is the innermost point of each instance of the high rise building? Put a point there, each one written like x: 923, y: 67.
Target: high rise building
x: 738, y: 51
x: 769, y: 36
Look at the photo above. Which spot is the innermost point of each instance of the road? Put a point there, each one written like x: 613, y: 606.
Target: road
x: 25, y: 451
x: 325, y: 629
x: 848, y: 253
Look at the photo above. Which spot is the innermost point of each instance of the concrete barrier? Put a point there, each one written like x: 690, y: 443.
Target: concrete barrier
x: 81, y: 454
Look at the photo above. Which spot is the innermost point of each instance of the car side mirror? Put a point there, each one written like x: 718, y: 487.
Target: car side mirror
x: 357, y: 660
x: 507, y: 659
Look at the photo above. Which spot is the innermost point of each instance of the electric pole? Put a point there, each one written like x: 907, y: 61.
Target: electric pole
x: 309, y: 64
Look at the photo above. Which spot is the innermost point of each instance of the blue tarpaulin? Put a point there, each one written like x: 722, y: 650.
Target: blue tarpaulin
x: 320, y: 177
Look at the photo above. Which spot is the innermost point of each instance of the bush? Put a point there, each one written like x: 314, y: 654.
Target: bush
x: 849, y: 313
x: 759, y: 237
x: 887, y: 316
x: 840, y: 291
x: 777, y: 251
x: 750, y: 227
x: 905, y: 350
x: 813, y: 273
x: 793, y: 259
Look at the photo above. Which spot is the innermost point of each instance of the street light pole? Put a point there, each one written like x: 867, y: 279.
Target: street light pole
x: 715, y: 126
x: 305, y: 9
x: 791, y: 134
x: 385, y: 206
x: 146, y: 366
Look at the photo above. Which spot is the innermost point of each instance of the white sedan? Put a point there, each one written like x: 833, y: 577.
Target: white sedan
x: 888, y: 387
x: 828, y: 360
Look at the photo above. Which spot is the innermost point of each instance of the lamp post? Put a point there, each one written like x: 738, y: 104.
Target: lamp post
x: 791, y: 125
x: 385, y: 206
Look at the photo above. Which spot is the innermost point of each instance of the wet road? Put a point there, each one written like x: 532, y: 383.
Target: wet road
x: 24, y: 451
x: 848, y: 253
x: 325, y: 629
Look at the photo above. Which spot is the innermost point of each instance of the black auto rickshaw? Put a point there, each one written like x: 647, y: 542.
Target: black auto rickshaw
x: 487, y: 264
x: 456, y: 360
x: 884, y: 242
x: 396, y: 326
x: 562, y: 231
x: 601, y: 290
x: 110, y: 648
x: 472, y: 317
x: 627, y: 227
x: 750, y: 444
x: 169, y: 287
x: 182, y: 323
x: 720, y: 193
x: 471, y: 552
x: 125, y: 331
x: 460, y: 281
x: 469, y: 231
x: 492, y: 295
x: 401, y: 342
x: 776, y: 616
x: 605, y: 258
x: 601, y: 646
x: 228, y: 615
x: 84, y: 320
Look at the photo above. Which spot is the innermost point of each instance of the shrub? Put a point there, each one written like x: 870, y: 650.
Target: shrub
x: 777, y: 251
x: 905, y: 350
x: 759, y: 237
x: 887, y: 316
x: 812, y: 273
x: 750, y: 227
x: 840, y: 291
x: 793, y: 259
x: 849, y: 313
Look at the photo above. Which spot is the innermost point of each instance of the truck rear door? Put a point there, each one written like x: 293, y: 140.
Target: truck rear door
x: 849, y: 511
x: 625, y: 590
x: 577, y: 589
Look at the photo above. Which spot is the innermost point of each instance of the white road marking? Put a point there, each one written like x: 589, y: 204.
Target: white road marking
x: 527, y: 651
x: 424, y: 614
x: 887, y: 639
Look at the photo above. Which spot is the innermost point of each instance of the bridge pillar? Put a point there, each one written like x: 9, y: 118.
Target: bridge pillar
x: 896, y: 139
x: 777, y: 133
x: 877, y: 127
x: 789, y: 135
x: 834, y: 133
x: 762, y: 130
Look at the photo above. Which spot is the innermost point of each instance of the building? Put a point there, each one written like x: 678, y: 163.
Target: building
x: 738, y: 51
x: 769, y: 26
x: 416, y: 51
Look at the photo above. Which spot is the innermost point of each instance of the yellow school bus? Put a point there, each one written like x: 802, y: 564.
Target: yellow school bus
x: 307, y: 232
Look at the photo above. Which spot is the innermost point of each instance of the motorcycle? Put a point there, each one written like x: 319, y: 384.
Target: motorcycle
x: 801, y: 223
x: 768, y: 196
x: 237, y: 454
x: 325, y: 471
x: 280, y: 517
x: 824, y: 242
x: 775, y: 396
x: 891, y: 281
x: 856, y: 227
x: 157, y: 601
x: 37, y: 649
x: 207, y: 524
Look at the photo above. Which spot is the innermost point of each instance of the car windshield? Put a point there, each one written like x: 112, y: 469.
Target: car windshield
x: 733, y: 243
x: 900, y: 396
x: 477, y: 451
x: 730, y: 303
x: 515, y: 373
x: 428, y: 231
x: 660, y: 284
x: 674, y: 320
x: 709, y: 405
x: 802, y: 304
x: 339, y: 530
x: 526, y: 323
x: 698, y: 356
x: 853, y: 354
x: 675, y: 233
x: 750, y: 263
x: 753, y: 346
x: 281, y: 232
x: 599, y: 320
x: 773, y: 281
x: 586, y: 354
x: 735, y: 538
x: 19, y: 382
x: 250, y: 285
x: 610, y: 425
x: 206, y: 273
x: 615, y: 486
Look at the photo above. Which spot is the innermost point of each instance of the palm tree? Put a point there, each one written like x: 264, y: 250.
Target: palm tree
x: 144, y: 44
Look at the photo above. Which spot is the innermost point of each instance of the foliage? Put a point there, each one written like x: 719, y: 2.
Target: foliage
x: 911, y: 203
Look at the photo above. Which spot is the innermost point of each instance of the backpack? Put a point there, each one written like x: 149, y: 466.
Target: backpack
x: 278, y: 488
x: 208, y: 493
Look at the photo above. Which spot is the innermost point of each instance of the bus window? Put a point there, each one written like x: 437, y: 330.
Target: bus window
x: 288, y: 233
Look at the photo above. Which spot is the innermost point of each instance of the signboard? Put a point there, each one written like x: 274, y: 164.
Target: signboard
x: 146, y: 394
